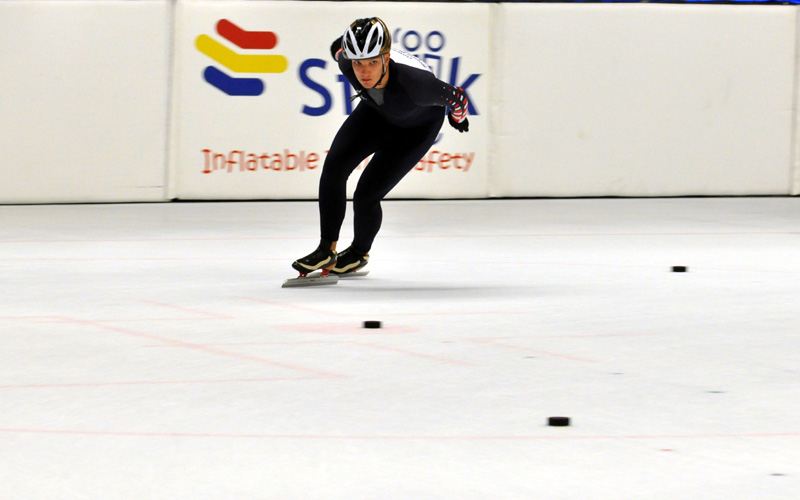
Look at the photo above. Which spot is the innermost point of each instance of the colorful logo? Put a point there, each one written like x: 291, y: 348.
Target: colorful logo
x: 240, y: 62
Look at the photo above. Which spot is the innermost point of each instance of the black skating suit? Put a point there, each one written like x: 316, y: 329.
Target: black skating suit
x: 398, y: 132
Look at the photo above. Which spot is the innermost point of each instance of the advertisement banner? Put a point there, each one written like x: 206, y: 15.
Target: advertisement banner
x: 258, y: 98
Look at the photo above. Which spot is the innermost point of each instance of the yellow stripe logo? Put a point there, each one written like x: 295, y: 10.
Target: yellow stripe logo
x: 240, y: 63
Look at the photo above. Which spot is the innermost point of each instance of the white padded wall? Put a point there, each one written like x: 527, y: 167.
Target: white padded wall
x: 84, y: 100
x: 643, y: 100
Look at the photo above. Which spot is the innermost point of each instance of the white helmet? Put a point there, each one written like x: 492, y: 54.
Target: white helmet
x: 366, y: 38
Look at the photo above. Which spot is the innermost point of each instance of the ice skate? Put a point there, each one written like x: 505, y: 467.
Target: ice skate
x: 349, y: 263
x: 322, y: 259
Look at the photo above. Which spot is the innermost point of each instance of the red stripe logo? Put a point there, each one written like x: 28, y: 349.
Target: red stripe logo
x: 246, y: 39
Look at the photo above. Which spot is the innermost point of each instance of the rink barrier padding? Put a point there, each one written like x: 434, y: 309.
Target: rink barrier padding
x: 116, y: 102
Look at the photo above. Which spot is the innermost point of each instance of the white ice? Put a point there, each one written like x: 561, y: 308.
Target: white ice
x: 149, y: 351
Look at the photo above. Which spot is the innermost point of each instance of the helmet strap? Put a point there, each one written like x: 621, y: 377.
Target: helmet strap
x: 383, y: 73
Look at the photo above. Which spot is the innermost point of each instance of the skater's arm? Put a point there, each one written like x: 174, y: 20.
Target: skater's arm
x: 427, y: 90
x: 336, y: 48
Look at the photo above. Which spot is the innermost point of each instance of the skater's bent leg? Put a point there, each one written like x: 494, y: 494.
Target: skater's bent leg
x: 353, y: 143
x: 385, y: 171
x: 332, y: 203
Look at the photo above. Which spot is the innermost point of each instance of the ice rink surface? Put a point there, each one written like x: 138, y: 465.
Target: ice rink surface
x: 148, y: 351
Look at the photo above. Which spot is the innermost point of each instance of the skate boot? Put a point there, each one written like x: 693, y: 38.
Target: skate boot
x: 322, y: 258
x: 350, y: 261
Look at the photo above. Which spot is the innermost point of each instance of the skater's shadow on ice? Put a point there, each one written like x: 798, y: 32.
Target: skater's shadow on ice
x: 440, y: 291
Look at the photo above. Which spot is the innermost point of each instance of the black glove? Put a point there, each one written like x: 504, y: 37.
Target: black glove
x: 336, y: 46
x: 461, y: 127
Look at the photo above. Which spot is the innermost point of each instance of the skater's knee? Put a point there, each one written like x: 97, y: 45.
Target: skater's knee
x: 364, y: 199
x: 332, y: 176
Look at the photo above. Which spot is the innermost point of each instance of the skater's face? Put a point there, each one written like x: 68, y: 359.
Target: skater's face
x: 368, y: 72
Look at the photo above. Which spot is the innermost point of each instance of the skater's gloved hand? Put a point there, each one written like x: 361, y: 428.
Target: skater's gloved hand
x: 462, y: 126
x: 336, y: 47
x: 458, y: 110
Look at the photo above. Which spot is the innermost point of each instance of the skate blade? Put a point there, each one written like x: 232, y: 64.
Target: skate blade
x: 311, y: 280
x: 354, y: 274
